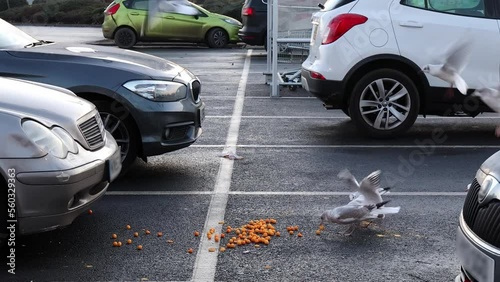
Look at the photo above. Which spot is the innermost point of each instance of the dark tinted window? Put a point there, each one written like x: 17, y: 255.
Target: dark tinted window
x: 475, y: 8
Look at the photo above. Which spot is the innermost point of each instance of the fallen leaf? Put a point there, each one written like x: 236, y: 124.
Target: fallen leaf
x: 397, y: 235
x: 170, y: 241
x: 380, y: 235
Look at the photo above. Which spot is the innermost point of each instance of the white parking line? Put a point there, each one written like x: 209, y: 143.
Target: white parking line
x: 272, y: 193
x: 272, y: 146
x: 206, y: 262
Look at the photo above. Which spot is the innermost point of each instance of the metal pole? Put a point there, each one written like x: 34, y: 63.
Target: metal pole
x: 275, y: 85
x: 268, y: 73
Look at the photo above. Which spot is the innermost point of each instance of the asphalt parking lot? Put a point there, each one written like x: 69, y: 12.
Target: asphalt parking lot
x: 293, y: 149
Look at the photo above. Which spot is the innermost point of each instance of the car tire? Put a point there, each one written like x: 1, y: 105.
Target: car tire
x: 382, y: 116
x: 119, y: 123
x: 217, y: 38
x: 125, y: 38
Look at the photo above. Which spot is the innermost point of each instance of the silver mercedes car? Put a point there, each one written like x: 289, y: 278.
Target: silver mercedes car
x: 56, y: 159
x: 478, y: 236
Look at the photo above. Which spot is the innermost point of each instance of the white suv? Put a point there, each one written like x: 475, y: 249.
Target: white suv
x: 366, y: 58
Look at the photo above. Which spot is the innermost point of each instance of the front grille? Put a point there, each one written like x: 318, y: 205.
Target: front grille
x: 195, y: 90
x: 93, y: 132
x: 483, y: 221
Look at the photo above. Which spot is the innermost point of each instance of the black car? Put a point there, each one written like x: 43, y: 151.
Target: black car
x: 478, y: 237
x: 254, y: 19
x: 150, y: 105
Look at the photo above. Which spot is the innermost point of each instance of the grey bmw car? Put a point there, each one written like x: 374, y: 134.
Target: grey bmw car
x: 478, y: 236
x: 150, y: 105
x: 56, y: 158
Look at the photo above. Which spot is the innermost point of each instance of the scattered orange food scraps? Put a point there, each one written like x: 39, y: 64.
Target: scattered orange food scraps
x: 159, y: 234
x: 318, y: 232
x: 90, y: 211
x: 299, y: 235
x: 129, y: 241
x: 114, y: 236
x: 222, y: 235
x: 211, y: 250
x: 139, y: 247
x: 136, y: 234
x: 190, y: 250
x: 128, y: 227
x: 222, y: 249
x: 119, y: 244
x: 321, y: 227
x: 196, y: 233
x: 148, y: 232
x: 115, y: 244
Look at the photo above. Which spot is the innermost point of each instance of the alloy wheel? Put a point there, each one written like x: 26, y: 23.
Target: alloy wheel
x: 119, y: 131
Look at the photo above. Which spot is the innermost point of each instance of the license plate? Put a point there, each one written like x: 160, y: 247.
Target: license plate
x: 478, y: 264
x: 114, y: 165
x: 304, y: 83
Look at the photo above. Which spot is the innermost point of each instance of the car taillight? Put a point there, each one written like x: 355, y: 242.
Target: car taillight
x: 112, y: 9
x: 317, y: 75
x: 248, y: 11
x: 341, y: 24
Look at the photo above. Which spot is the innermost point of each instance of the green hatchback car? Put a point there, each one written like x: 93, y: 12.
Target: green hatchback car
x: 130, y: 21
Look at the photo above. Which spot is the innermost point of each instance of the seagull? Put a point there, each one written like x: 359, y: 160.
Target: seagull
x: 491, y: 97
x: 352, y: 214
x: 368, y: 192
x: 230, y: 155
x: 450, y: 71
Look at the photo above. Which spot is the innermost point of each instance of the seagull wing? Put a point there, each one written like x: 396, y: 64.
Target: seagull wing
x: 350, y: 213
x: 349, y: 178
x: 369, y: 187
x: 458, y: 56
x: 460, y: 83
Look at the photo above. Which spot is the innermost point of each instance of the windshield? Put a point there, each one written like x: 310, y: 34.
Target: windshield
x: 12, y: 37
x: 332, y: 4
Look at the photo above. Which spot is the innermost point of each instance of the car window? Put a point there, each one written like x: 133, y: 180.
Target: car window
x: 475, y: 8
x: 333, y: 4
x: 138, y: 5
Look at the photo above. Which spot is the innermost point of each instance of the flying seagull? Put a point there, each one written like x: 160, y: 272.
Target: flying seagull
x: 368, y: 192
x: 450, y: 70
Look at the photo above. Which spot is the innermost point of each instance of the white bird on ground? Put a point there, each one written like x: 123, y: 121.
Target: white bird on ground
x: 353, y: 214
x: 230, y: 155
x: 450, y: 70
x: 366, y: 193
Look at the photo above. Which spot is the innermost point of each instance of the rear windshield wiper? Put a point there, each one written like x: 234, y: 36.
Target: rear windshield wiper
x: 37, y: 43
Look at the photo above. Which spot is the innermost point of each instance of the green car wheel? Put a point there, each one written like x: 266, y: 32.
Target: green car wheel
x: 217, y: 38
x: 125, y: 38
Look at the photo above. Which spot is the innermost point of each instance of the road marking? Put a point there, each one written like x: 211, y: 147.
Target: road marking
x: 206, y: 262
x: 355, y: 146
x: 272, y: 193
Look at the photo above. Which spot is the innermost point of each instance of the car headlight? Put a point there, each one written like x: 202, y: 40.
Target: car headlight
x: 56, y: 142
x: 157, y: 90
x: 488, y: 187
x: 232, y: 21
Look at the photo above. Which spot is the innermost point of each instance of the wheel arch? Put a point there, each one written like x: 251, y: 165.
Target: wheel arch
x: 125, y: 26
x: 93, y: 96
x: 215, y: 27
x: 396, y: 62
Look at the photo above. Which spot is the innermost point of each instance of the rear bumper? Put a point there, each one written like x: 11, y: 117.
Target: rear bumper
x: 330, y: 92
x: 251, y: 37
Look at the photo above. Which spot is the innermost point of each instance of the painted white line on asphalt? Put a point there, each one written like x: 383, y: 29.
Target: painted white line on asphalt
x: 356, y: 146
x: 272, y: 193
x: 206, y: 262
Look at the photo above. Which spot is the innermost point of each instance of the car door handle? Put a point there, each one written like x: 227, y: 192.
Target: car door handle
x: 411, y: 24
x: 134, y: 14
